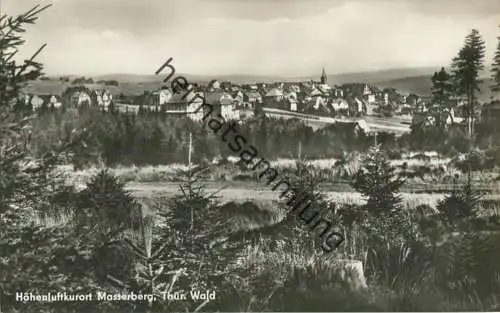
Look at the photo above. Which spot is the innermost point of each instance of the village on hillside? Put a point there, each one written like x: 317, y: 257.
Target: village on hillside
x: 317, y: 103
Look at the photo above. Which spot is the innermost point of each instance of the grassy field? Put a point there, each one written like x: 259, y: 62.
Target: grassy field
x: 151, y: 182
x: 438, y: 174
x: 265, y: 195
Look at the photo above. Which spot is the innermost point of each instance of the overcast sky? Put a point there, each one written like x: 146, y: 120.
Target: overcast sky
x: 262, y: 37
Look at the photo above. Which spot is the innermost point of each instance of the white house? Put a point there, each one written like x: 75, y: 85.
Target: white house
x: 253, y: 97
x: 194, y: 103
x: 230, y: 113
x: 238, y: 97
x: 224, y: 103
x: 367, y: 91
x: 98, y: 97
x: 360, y: 105
x: 294, y: 88
x: 274, y: 94
x: 340, y: 104
x: 107, y: 98
x: 452, y: 119
x: 55, y: 102
x: 371, y: 99
x: 369, y: 95
x: 161, y: 97
x: 291, y: 97
x: 227, y: 107
x: 27, y: 99
x: 36, y: 102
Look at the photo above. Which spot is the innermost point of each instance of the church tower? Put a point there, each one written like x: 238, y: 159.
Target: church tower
x: 323, y: 77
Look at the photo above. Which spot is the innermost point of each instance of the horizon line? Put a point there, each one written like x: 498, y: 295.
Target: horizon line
x: 257, y: 75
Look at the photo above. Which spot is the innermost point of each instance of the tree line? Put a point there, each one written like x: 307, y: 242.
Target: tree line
x: 462, y: 81
x: 153, y: 138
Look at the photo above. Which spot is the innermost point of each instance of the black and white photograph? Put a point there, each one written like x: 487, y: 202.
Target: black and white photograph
x: 249, y: 156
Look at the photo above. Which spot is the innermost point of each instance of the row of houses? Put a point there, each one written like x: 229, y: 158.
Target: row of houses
x: 238, y: 102
x: 73, y: 97
x: 307, y: 97
x: 235, y: 103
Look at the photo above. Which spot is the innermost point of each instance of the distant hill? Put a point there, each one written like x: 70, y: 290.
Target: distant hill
x: 381, y: 76
x: 368, y: 77
x: 421, y: 85
x: 408, y: 80
x: 58, y: 87
x: 237, y: 79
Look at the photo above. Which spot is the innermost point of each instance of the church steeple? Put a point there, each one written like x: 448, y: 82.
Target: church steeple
x: 323, y: 77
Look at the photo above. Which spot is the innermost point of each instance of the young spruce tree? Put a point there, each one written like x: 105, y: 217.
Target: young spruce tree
x: 377, y: 180
x: 32, y: 258
x: 384, y: 216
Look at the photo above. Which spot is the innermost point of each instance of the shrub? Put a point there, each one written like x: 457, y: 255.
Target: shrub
x: 395, y: 155
x: 105, y: 208
x: 318, y: 288
x: 196, y: 234
x: 46, y: 260
x: 476, y: 160
x: 460, y: 208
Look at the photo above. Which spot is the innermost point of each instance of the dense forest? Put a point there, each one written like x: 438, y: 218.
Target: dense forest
x: 114, y: 138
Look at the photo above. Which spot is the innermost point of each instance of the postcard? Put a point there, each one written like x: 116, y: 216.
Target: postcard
x: 249, y: 155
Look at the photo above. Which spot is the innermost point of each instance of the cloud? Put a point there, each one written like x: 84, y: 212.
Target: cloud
x: 226, y: 38
x: 432, y: 7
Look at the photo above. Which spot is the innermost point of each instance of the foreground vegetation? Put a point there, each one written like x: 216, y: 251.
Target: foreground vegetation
x: 414, y: 259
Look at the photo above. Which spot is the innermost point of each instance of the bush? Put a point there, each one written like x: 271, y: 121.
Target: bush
x: 105, y: 208
x: 318, y: 288
x: 460, y: 208
x: 476, y: 160
x: 196, y: 237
